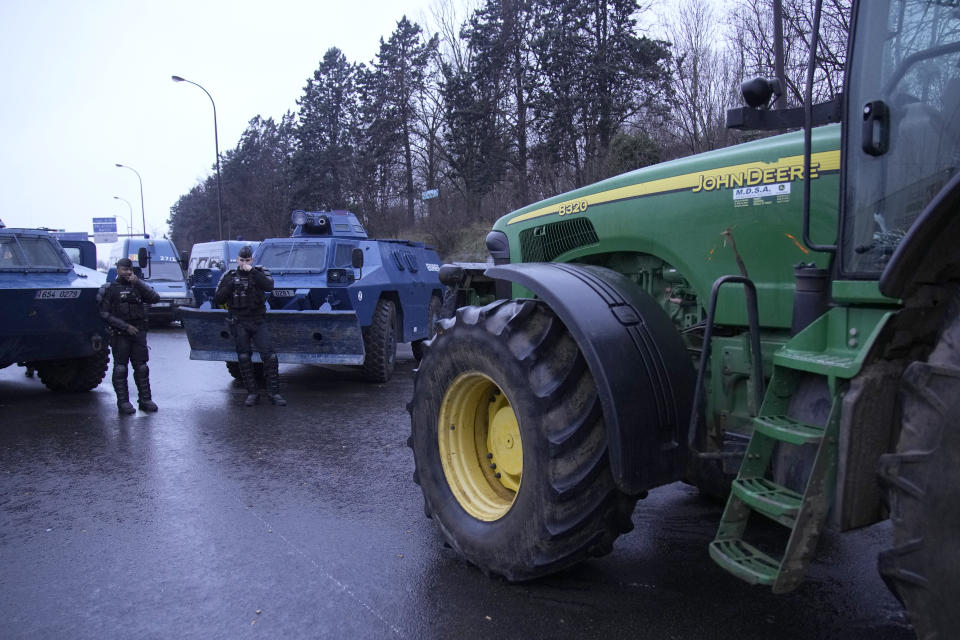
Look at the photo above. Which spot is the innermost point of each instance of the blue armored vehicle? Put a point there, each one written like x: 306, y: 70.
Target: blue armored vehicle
x: 78, y: 247
x: 49, y: 320
x: 339, y: 298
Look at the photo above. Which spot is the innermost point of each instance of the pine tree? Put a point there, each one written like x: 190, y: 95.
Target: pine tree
x: 326, y: 128
x: 392, y: 91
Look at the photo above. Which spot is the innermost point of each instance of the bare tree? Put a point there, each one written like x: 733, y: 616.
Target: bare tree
x: 704, y: 74
x: 751, y: 32
x: 446, y: 19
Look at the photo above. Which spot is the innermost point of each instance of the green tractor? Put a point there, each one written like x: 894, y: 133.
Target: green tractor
x: 777, y: 323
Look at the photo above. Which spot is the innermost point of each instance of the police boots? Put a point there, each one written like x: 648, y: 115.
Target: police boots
x: 120, y: 386
x: 249, y: 381
x: 272, y: 369
x: 141, y: 376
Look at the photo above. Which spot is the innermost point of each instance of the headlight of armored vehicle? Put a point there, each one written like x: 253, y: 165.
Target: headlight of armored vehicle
x: 339, y: 276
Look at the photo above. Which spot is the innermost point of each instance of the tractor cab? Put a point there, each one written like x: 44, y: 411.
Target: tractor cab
x: 903, y: 115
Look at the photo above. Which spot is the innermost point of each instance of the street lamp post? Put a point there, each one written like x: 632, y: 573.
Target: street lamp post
x: 130, y: 218
x: 143, y: 216
x: 216, y: 144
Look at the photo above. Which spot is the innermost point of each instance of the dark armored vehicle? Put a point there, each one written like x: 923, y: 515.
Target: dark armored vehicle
x: 49, y: 320
x: 339, y: 298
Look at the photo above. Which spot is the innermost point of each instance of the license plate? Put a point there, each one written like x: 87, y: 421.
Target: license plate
x: 283, y: 293
x: 57, y: 294
x: 162, y: 305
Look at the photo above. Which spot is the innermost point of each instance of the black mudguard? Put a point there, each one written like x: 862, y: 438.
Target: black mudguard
x: 928, y: 254
x: 644, y: 376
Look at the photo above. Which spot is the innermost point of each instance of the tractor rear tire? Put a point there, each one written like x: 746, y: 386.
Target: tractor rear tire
x: 380, y: 342
x: 433, y: 314
x: 510, y: 445
x: 923, y: 480
x: 73, y: 375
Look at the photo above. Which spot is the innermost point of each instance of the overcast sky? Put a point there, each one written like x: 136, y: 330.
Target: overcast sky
x: 86, y: 85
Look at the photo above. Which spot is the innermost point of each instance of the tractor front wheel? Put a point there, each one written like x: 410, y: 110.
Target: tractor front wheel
x: 510, y: 445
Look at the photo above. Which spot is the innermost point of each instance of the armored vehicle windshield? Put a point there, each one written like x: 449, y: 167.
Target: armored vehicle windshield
x: 283, y: 256
x: 31, y: 252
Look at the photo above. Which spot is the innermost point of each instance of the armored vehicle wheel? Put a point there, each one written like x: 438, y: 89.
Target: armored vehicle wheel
x: 234, y: 369
x: 74, y: 374
x: 380, y: 342
x: 923, y: 479
x: 433, y: 314
x: 510, y: 444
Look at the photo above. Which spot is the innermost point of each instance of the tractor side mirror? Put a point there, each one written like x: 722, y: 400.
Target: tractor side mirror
x: 758, y: 92
x: 143, y: 258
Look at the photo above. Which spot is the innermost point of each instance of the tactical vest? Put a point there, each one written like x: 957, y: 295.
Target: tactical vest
x: 247, y: 297
x: 127, y: 304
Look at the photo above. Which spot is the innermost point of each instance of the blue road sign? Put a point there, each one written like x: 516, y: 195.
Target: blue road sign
x: 104, y: 225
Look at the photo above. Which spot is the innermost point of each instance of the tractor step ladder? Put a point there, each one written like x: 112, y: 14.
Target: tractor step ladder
x: 753, y: 491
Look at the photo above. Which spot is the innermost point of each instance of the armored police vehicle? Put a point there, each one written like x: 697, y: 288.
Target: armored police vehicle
x: 79, y: 248
x: 163, y: 272
x: 339, y: 298
x: 210, y: 260
x: 49, y: 321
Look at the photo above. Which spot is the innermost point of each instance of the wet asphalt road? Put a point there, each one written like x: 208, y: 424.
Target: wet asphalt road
x: 213, y: 520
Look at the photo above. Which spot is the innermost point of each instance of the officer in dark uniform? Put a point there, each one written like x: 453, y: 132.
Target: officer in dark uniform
x: 244, y: 292
x: 122, y: 306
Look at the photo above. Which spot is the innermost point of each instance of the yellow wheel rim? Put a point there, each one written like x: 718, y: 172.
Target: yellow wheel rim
x: 480, y: 447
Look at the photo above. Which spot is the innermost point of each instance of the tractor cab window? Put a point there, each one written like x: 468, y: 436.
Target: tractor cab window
x: 902, y: 141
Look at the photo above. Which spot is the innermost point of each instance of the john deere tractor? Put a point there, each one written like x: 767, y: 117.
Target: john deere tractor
x: 777, y: 323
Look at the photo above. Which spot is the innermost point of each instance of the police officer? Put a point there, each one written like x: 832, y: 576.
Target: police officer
x: 122, y: 306
x: 244, y: 292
